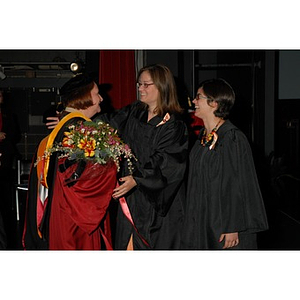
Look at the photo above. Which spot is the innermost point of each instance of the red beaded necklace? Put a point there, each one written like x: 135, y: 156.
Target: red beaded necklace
x: 207, y: 139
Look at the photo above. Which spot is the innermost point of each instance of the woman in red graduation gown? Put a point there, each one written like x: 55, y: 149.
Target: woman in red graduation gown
x: 69, y: 216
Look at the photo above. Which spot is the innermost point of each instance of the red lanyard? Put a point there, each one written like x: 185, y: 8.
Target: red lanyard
x: 127, y: 213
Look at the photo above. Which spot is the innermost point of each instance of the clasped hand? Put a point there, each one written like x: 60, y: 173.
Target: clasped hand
x: 127, y: 183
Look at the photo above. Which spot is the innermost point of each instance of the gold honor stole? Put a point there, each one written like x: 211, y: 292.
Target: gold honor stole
x: 43, y: 164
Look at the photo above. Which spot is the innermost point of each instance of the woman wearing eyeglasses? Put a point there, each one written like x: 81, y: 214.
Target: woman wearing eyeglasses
x: 153, y: 127
x: 225, y: 208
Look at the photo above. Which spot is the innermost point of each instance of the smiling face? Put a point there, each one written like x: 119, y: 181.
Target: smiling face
x: 148, y: 94
x: 202, y: 108
x: 97, y: 99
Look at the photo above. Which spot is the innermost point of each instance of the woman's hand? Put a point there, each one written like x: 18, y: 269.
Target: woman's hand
x: 231, y: 239
x: 53, y: 121
x: 127, y: 184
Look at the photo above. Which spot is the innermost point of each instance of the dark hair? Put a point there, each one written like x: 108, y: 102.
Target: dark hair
x: 165, y: 83
x: 76, y: 92
x: 221, y: 92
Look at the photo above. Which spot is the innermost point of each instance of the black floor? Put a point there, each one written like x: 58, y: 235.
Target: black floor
x: 283, y: 233
x: 283, y: 217
x: 13, y: 227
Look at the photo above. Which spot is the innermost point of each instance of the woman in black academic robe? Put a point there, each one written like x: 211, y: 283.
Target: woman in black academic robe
x: 225, y: 208
x: 154, y: 130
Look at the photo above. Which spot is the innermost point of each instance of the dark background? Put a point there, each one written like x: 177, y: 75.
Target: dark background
x: 267, y: 109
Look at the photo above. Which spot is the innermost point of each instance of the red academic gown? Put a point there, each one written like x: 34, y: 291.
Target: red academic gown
x: 72, y: 217
x: 77, y: 211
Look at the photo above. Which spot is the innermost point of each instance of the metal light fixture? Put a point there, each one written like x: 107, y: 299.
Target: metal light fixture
x: 76, y: 66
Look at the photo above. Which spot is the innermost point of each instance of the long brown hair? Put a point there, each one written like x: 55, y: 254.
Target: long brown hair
x: 165, y: 83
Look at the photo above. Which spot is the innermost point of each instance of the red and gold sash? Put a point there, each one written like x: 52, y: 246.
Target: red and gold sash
x: 47, y: 142
x: 42, y: 165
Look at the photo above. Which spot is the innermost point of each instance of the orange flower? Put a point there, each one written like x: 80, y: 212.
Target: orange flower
x: 88, y: 146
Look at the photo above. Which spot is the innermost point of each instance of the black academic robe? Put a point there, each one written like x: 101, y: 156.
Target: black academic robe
x: 223, y: 194
x: 156, y: 203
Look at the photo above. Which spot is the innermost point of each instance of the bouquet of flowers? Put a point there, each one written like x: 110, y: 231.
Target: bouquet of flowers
x: 95, y: 142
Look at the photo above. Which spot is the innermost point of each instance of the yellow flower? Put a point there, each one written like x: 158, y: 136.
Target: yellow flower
x: 88, y: 146
x: 67, y: 142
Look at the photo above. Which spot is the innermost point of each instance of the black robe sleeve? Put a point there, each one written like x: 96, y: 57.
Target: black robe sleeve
x: 241, y: 201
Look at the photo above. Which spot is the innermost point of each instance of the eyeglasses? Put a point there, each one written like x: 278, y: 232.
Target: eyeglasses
x: 145, y: 85
x: 199, y: 96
